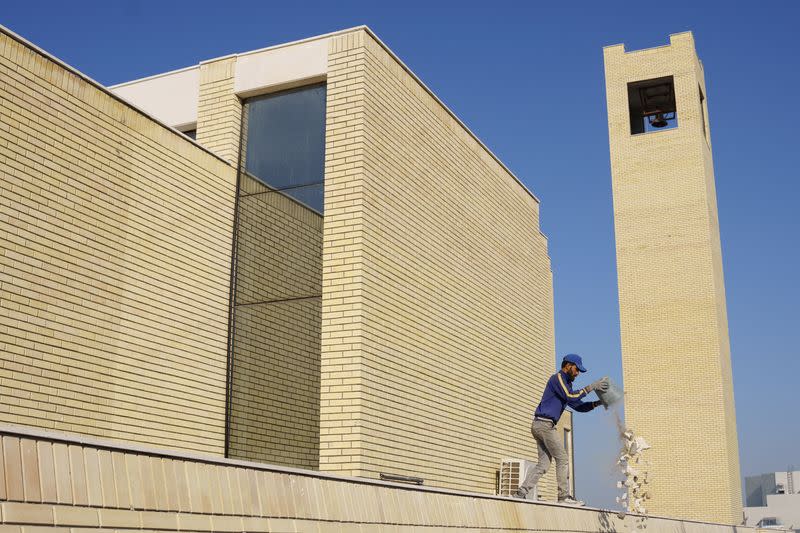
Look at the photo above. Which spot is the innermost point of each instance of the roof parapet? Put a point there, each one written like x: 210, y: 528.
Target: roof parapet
x: 680, y: 38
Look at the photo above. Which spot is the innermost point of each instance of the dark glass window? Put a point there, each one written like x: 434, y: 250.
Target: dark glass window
x: 286, y: 138
x: 312, y: 196
x: 191, y: 133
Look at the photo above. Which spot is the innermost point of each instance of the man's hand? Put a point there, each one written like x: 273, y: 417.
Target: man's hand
x: 599, y: 385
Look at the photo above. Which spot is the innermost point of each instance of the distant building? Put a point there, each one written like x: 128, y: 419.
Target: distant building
x: 773, y: 500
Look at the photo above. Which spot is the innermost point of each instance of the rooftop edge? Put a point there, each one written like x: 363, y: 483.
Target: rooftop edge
x: 121, y: 446
x: 394, y: 56
x: 50, y: 57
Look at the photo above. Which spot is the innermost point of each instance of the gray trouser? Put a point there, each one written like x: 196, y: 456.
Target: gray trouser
x: 550, y: 447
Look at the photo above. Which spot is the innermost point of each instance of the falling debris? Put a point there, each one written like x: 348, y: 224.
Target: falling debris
x: 634, y: 467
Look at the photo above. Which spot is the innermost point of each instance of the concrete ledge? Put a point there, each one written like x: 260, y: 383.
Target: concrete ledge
x: 166, y: 490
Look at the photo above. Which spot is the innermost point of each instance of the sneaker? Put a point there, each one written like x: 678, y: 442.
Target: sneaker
x: 519, y: 495
x: 569, y: 500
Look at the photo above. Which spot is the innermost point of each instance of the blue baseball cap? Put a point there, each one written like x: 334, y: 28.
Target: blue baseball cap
x: 576, y: 359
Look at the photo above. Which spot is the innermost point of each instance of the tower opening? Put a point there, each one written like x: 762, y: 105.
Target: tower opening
x: 651, y: 104
x: 703, y: 111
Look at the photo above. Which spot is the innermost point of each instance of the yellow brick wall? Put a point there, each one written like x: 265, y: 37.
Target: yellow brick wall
x: 275, y: 386
x: 675, y: 348
x: 437, y: 333
x: 219, y: 110
x: 115, y: 235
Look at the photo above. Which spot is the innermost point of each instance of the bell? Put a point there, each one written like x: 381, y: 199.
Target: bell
x: 658, y: 120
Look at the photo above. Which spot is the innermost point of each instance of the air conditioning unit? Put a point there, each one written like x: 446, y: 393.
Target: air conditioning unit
x: 512, y: 474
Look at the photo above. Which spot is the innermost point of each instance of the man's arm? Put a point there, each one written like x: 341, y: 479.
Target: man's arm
x: 572, y: 398
x: 565, y: 392
x: 585, y: 407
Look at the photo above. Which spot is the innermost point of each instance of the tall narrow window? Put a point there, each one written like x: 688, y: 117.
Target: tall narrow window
x: 275, y: 332
x: 703, y: 111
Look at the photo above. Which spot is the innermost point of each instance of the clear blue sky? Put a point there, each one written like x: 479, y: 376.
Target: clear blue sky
x: 527, y: 78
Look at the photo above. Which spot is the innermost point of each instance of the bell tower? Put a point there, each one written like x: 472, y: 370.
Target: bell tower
x: 673, y: 319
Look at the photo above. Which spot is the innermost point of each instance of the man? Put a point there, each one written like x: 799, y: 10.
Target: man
x: 558, y: 394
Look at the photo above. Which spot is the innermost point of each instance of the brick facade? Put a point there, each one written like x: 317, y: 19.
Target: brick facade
x: 116, y: 237
x: 437, y: 321
x: 219, y: 110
